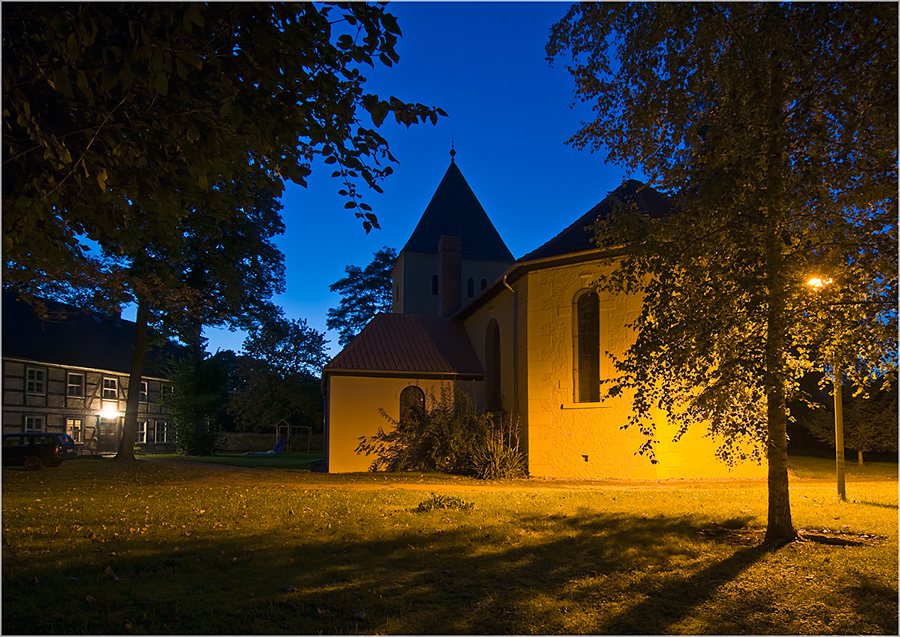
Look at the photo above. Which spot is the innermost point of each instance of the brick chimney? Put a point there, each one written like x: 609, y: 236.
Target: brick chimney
x: 450, y: 269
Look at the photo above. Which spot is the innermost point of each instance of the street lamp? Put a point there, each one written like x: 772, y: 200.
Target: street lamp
x: 819, y: 283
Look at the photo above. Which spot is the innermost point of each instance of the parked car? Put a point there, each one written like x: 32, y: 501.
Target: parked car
x: 32, y: 449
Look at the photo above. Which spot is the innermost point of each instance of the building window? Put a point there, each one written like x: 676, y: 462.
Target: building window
x: 587, y: 348
x: 434, y: 285
x: 142, y: 432
x: 34, y: 423
x: 493, y: 400
x: 110, y: 388
x: 143, y: 391
x: 75, y: 384
x: 162, y: 431
x: 483, y: 283
x: 412, y: 404
x: 73, y: 428
x: 470, y: 287
x: 34, y: 380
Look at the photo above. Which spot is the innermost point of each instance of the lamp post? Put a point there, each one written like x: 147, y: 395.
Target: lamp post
x: 817, y: 283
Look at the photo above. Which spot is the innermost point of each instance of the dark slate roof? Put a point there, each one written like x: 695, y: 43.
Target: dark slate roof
x: 81, y: 339
x: 407, y: 343
x: 454, y: 211
x: 576, y: 238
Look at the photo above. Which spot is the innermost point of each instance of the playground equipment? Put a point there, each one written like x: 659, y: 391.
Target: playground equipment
x: 292, y: 434
x: 286, y: 437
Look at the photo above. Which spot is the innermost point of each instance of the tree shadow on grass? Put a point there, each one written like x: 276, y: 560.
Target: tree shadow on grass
x: 876, y: 601
x: 883, y: 505
x: 474, y: 578
x: 470, y: 577
x: 672, y: 601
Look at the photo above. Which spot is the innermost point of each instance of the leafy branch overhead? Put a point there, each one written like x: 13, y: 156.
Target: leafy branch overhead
x: 110, y: 107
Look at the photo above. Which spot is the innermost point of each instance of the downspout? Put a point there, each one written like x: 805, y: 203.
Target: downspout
x: 515, y: 345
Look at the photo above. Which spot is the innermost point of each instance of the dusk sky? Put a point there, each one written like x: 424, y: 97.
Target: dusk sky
x: 509, y: 115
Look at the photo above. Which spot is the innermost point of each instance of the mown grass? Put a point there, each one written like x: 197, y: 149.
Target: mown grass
x: 298, y: 461
x: 161, y: 548
x: 824, y: 469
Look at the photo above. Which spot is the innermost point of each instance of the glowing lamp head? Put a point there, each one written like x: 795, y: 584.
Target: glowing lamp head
x: 109, y: 413
x: 818, y: 282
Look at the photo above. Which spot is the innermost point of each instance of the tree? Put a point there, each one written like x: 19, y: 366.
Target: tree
x: 364, y: 293
x: 108, y: 107
x: 774, y: 128
x: 197, y: 403
x: 279, y: 376
x: 125, y: 126
x: 870, y: 418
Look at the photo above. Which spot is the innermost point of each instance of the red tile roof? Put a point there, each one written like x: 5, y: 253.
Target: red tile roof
x: 407, y: 343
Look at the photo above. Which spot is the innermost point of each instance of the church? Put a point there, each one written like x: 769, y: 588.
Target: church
x: 527, y: 336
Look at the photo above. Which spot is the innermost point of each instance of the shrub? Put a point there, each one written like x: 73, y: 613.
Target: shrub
x: 498, y: 456
x: 443, y: 502
x: 450, y: 437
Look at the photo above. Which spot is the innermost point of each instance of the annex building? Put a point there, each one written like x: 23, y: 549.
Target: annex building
x: 527, y: 336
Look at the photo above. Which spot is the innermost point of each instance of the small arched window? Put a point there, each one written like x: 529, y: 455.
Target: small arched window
x: 493, y: 400
x: 470, y: 287
x: 434, y: 285
x: 483, y: 283
x: 412, y: 405
x: 586, y: 357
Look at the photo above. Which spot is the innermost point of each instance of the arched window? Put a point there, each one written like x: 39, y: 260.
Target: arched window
x: 586, y: 357
x: 412, y: 404
x: 434, y: 285
x: 483, y: 283
x: 492, y: 367
x: 470, y: 287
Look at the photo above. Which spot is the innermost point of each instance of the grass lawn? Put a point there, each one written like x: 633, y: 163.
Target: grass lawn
x: 824, y: 468
x: 301, y: 461
x: 91, y: 547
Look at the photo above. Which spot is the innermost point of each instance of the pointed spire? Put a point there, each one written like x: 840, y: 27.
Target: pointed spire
x: 452, y: 151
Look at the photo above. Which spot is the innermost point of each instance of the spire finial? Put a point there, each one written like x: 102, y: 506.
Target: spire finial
x: 452, y: 151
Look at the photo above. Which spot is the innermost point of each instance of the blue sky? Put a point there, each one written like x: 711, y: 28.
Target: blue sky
x: 509, y: 115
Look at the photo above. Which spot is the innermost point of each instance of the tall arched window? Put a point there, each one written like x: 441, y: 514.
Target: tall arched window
x: 586, y: 357
x: 412, y: 404
x: 492, y: 367
x: 470, y: 287
x: 434, y: 285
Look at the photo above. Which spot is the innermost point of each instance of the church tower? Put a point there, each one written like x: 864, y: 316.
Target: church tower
x: 453, y: 253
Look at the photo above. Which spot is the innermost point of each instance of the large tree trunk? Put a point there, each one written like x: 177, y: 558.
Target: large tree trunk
x: 780, y: 528
x: 859, y: 457
x: 139, y: 351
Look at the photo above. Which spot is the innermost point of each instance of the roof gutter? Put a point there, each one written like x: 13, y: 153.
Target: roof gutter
x: 518, y: 270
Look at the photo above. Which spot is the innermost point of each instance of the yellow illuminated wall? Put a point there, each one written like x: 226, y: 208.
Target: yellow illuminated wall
x: 568, y: 439
x: 353, y: 411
